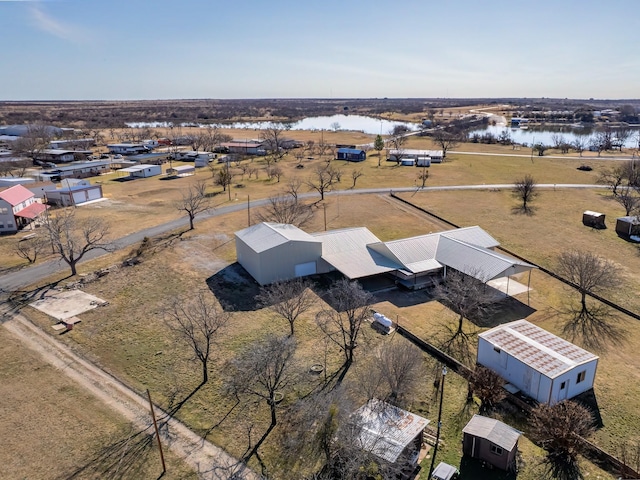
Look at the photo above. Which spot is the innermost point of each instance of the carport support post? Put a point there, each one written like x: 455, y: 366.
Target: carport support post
x: 155, y: 425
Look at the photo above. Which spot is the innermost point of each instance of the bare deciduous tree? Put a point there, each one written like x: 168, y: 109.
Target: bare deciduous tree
x: 198, y: 322
x: 30, y: 248
x: 355, y: 175
x: 579, y: 144
x: 471, y: 299
x: 273, y: 135
x: 423, y: 176
x: 71, y: 238
x: 558, y: 428
x: 293, y: 187
x: 194, y: 201
x: 224, y: 177
x: 487, y: 386
x: 261, y: 371
x: 525, y: 190
x: 286, y: 209
x: 402, y: 368
x: 446, y: 140
x: 342, y: 322
x: 274, y: 171
x: 324, y: 178
x: 289, y: 299
x: 590, y: 273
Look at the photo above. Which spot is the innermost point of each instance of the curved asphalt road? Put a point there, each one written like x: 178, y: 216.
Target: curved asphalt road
x: 20, y: 278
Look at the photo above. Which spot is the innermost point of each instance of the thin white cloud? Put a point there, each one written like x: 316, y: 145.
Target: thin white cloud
x: 46, y: 23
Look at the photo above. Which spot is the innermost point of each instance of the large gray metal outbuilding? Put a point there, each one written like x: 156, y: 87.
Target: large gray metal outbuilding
x: 275, y: 251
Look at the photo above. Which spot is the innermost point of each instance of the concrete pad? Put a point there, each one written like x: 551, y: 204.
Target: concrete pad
x: 502, y: 284
x: 64, y: 304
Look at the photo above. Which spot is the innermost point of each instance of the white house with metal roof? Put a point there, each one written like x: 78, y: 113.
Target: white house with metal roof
x: 389, y: 432
x: 540, y: 364
x: 416, y: 262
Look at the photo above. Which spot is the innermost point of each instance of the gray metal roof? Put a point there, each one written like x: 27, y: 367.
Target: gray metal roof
x: 386, y: 430
x: 264, y: 236
x: 541, y: 350
x: 346, y: 250
x: 480, y: 263
x: 444, y: 471
x: 495, y: 431
x: 473, y: 235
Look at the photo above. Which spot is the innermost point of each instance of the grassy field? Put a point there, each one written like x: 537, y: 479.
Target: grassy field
x: 138, y: 204
x: 54, y: 429
x: 130, y: 339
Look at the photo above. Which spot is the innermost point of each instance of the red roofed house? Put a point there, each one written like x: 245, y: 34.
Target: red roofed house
x: 18, y: 208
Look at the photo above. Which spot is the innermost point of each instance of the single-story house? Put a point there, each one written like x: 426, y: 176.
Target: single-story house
x: 141, y: 171
x: 91, y: 168
x: 129, y: 148
x: 351, y: 154
x: 416, y: 262
x: 390, y: 433
x: 18, y: 208
x: 72, y: 143
x: 593, y: 219
x: 200, y: 159
x: 56, y: 155
x: 181, y: 171
x: 74, y: 195
x: 248, y: 147
x: 11, y: 181
x: 492, y: 441
x: 262, y: 249
x: 540, y: 364
x: 628, y: 226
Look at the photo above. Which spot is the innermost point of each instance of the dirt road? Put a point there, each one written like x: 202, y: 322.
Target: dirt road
x: 208, y: 460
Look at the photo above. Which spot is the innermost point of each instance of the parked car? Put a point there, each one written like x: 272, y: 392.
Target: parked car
x: 117, y: 156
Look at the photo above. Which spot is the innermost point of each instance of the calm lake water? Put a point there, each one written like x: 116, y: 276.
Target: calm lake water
x: 532, y: 136
x: 374, y: 126
x: 358, y: 123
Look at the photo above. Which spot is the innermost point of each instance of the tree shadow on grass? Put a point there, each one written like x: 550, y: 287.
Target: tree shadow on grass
x: 473, y: 469
x: 520, y: 210
x: 596, y: 328
x: 123, y: 458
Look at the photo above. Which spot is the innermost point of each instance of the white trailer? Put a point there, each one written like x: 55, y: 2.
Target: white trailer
x: 541, y: 365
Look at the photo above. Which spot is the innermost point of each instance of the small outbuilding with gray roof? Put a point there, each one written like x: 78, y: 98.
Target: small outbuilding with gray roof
x: 542, y: 365
x: 492, y: 441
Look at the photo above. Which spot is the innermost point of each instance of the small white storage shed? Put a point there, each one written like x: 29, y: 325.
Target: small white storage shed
x: 542, y: 365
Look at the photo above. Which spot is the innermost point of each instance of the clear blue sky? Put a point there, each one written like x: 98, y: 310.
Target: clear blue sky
x: 143, y: 49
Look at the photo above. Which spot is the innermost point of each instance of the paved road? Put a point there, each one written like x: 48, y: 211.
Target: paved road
x: 26, y: 276
x: 536, y: 156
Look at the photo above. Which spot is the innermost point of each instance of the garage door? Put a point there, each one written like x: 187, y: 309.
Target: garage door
x: 94, y: 194
x: 79, y: 197
x: 303, y: 269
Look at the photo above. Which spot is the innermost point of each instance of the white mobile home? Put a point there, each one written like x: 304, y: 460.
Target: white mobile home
x: 543, y: 366
x: 141, y: 171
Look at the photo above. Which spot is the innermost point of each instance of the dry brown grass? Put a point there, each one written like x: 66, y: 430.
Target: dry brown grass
x: 52, y: 427
x: 130, y: 339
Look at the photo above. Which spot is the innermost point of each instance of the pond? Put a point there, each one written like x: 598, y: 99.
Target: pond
x: 358, y: 123
x: 531, y: 136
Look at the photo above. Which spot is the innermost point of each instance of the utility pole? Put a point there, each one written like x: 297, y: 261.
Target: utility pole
x: 155, y: 425
x: 248, y: 212
x: 435, y: 448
